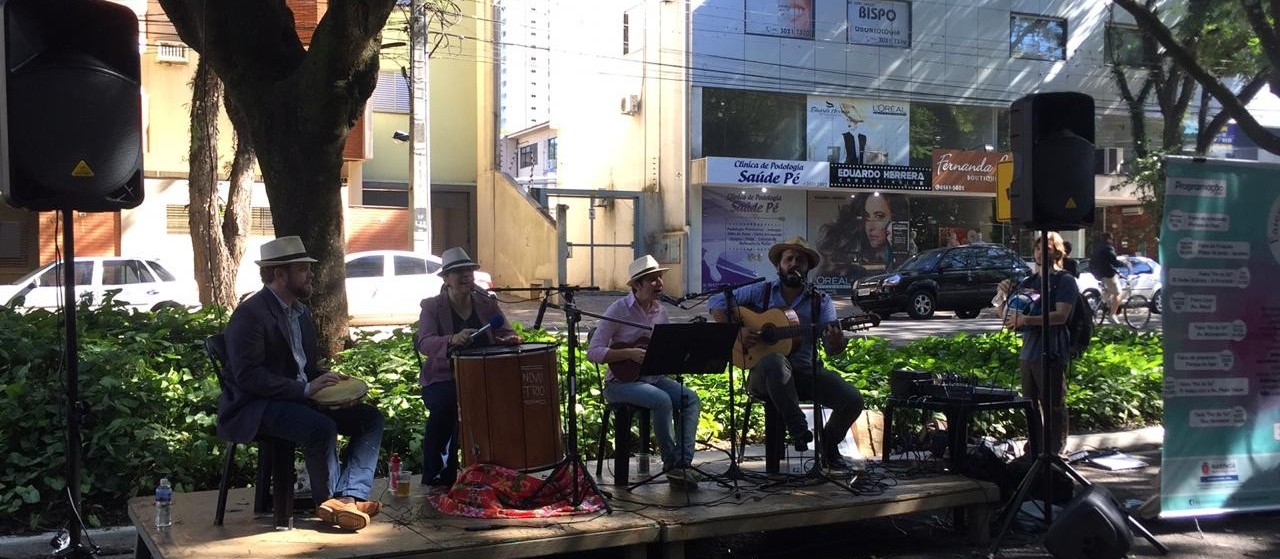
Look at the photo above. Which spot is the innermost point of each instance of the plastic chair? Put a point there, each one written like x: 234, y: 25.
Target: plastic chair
x: 623, y: 414
x: 275, y: 459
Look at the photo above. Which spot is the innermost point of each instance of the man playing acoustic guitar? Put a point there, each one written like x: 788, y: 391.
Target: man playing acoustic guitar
x: 783, y: 378
x: 623, y: 348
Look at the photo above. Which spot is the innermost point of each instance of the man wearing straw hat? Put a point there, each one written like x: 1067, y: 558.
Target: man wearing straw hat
x: 658, y: 393
x: 273, y: 354
x: 785, y: 379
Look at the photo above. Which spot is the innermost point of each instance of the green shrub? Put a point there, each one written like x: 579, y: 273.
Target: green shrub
x: 150, y: 398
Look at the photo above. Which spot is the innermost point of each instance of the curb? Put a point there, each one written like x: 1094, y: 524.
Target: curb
x: 1123, y: 440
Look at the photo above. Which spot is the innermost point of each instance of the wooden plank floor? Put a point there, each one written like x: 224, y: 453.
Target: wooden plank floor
x: 651, y: 514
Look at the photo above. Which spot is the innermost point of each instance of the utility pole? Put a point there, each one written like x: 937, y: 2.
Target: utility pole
x: 419, y: 131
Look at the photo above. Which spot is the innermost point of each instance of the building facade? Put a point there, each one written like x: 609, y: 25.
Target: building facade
x: 703, y: 132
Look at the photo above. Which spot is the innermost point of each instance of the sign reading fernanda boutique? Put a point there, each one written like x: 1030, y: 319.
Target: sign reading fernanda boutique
x: 880, y: 23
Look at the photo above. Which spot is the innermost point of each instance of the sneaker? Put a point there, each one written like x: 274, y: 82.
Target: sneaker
x: 801, y: 440
x: 681, y: 478
x: 1111, y: 319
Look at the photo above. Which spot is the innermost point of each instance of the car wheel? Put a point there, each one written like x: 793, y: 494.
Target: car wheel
x: 165, y: 305
x: 1156, y: 306
x: 967, y: 313
x: 921, y: 305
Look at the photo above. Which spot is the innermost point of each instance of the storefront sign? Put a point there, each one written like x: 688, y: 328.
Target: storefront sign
x: 880, y: 23
x: 858, y: 131
x: 966, y: 171
x: 781, y: 18
x: 880, y: 177
x: 765, y: 172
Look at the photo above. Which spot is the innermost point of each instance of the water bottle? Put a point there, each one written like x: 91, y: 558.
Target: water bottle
x: 393, y: 473
x: 164, y: 504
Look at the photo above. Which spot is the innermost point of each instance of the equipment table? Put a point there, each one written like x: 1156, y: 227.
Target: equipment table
x: 958, y: 414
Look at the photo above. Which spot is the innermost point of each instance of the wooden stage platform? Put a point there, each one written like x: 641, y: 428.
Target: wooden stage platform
x: 652, y: 518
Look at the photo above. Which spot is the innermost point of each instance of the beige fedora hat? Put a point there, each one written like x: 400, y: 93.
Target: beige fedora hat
x: 796, y: 243
x: 284, y: 250
x: 456, y: 259
x: 643, y: 266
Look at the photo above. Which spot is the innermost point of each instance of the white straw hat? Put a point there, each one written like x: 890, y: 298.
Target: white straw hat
x: 284, y: 250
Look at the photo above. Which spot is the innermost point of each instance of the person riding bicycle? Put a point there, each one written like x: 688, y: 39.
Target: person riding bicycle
x: 1103, y: 265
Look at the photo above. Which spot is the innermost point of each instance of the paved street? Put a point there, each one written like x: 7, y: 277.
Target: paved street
x: 898, y: 329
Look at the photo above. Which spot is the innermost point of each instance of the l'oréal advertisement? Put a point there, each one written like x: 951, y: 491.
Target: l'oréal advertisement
x: 858, y: 131
x: 739, y: 226
x: 857, y: 235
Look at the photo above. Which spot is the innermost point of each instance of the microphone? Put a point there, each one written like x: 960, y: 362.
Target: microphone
x: 494, y: 322
x: 668, y: 299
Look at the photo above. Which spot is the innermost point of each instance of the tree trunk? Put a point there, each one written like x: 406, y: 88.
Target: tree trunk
x: 237, y: 219
x: 202, y: 178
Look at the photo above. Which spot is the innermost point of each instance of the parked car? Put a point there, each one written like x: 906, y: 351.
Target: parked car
x: 386, y: 286
x: 1145, y: 275
x: 142, y: 284
x: 961, y: 279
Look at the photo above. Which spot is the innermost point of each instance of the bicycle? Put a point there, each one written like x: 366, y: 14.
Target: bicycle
x: 1135, y: 309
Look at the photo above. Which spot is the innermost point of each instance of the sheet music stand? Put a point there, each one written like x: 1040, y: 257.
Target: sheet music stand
x: 698, y: 348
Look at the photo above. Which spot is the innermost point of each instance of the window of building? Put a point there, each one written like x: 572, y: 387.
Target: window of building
x: 176, y: 221
x: 935, y: 125
x: 626, y: 33
x: 1037, y: 37
x: 551, y: 155
x: 528, y: 155
x: 1126, y: 45
x: 385, y: 194
x: 737, y: 123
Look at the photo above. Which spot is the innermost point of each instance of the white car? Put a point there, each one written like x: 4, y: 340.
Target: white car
x: 142, y: 284
x: 1143, y: 274
x: 386, y: 286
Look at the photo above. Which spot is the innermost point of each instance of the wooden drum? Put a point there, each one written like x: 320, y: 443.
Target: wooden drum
x: 509, y: 406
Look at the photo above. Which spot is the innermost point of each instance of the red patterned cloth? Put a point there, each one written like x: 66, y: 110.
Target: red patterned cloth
x: 492, y: 491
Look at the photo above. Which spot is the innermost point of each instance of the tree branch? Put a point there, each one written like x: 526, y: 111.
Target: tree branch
x: 1232, y: 105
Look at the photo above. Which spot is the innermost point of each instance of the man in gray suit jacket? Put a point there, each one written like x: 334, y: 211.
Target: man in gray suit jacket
x: 274, y: 374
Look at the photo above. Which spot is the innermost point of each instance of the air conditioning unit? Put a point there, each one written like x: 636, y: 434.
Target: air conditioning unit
x: 630, y: 104
x: 1108, y: 161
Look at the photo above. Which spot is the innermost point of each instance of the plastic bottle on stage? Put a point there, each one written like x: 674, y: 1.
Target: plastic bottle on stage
x: 643, y: 461
x: 393, y: 473
x: 164, y: 504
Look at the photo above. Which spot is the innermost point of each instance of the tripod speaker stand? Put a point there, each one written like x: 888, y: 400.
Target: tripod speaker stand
x: 1048, y: 460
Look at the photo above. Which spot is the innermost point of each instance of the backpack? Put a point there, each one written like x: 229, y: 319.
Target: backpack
x: 1079, y: 324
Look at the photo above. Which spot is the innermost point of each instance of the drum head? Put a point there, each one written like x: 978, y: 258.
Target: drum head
x: 345, y: 391
x: 501, y: 350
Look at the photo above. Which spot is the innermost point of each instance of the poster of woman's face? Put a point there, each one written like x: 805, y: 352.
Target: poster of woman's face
x: 783, y: 18
x: 853, y: 235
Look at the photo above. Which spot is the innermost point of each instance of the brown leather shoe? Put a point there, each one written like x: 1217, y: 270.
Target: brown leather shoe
x: 371, y: 508
x: 342, y: 514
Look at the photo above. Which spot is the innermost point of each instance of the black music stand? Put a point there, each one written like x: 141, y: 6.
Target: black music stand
x: 698, y: 348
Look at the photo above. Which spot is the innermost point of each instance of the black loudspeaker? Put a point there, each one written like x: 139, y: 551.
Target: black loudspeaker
x: 1053, y: 161
x: 1090, y: 527
x: 71, y: 124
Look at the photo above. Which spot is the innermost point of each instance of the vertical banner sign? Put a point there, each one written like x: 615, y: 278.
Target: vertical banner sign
x: 1220, y: 246
x: 739, y: 226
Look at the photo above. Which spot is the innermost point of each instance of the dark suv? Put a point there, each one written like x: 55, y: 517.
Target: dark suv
x: 961, y: 279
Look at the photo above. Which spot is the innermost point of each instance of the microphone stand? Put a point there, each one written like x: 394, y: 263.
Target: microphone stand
x: 815, y: 472
x: 573, y: 458
x: 1049, y: 459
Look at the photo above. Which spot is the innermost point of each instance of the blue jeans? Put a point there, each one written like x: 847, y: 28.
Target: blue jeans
x: 661, y: 398
x: 316, y: 432
x: 439, y: 447
x: 775, y: 378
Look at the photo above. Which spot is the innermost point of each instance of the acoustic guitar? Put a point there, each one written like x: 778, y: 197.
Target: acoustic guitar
x: 781, y: 332
x: 627, y: 370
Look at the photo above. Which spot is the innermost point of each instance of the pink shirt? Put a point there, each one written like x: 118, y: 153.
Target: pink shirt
x: 610, y: 333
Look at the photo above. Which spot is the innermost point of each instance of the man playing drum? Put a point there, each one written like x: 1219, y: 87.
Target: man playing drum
x: 275, y: 379
x: 452, y: 320
x: 623, y: 347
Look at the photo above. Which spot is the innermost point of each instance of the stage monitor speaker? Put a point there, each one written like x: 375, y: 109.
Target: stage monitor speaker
x: 1053, y: 161
x: 1090, y: 527
x: 70, y: 94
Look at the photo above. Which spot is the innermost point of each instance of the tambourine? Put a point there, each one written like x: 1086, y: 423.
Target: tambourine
x: 347, y: 392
